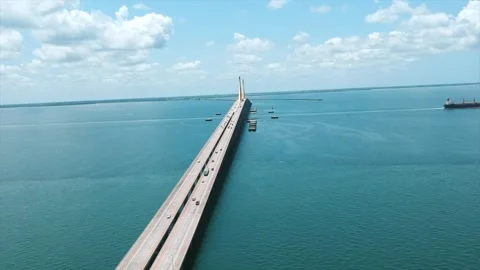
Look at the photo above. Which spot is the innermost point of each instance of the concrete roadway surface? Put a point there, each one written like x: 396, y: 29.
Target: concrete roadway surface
x: 175, y: 248
x: 142, y: 250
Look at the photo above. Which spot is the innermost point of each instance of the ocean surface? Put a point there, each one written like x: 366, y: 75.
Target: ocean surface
x: 379, y: 179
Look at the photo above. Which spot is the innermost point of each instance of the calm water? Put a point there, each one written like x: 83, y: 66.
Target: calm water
x: 362, y: 180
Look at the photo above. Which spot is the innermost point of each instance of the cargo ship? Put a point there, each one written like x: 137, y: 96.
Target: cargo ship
x: 449, y: 104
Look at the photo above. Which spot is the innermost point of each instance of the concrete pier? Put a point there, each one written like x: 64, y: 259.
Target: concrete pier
x: 165, y: 241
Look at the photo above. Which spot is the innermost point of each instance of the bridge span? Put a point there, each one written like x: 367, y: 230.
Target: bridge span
x: 164, y: 242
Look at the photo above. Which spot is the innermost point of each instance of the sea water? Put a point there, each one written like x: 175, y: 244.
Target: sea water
x: 371, y: 179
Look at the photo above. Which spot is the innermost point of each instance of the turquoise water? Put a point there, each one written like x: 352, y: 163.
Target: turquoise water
x: 361, y: 180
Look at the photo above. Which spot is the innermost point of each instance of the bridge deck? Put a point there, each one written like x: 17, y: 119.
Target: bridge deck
x: 140, y: 254
x: 178, y: 242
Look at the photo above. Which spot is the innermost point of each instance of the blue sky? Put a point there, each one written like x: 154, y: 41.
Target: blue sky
x: 56, y: 50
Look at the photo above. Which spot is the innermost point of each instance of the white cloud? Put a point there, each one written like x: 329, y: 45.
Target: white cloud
x: 245, y: 52
x: 27, y: 13
x: 301, y: 37
x: 237, y: 36
x: 141, y: 6
x: 149, y: 31
x: 187, y: 68
x: 7, y: 70
x: 184, y: 66
x: 17, y: 78
x: 210, y: 43
x: 13, y: 75
x: 273, y: 65
x: 246, y: 59
x: 244, y: 44
x: 133, y: 58
x: 97, y: 31
x: 276, y: 67
x: 422, y: 33
x: 87, y: 47
x: 392, y: 13
x: 429, y: 20
x: 122, y: 13
x: 10, y: 43
x: 68, y: 26
x: 321, y: 9
x: 54, y: 53
x: 277, y: 4
x: 85, y: 34
x: 376, y: 1
x: 143, y: 67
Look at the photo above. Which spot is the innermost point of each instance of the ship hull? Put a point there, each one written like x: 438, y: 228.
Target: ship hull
x: 461, y: 105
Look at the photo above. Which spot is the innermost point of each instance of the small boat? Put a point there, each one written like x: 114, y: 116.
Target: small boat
x: 218, y: 114
x: 274, y: 117
x: 271, y: 111
x: 209, y: 119
x: 252, y: 125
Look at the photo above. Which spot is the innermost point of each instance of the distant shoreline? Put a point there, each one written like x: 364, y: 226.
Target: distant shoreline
x: 209, y: 97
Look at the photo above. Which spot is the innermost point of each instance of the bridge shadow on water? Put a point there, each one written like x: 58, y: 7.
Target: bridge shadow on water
x: 216, y: 193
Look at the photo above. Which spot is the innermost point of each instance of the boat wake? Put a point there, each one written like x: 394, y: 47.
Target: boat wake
x: 362, y: 112
x: 103, y: 122
x: 203, y: 118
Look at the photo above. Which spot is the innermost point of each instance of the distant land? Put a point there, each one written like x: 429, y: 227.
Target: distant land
x: 215, y: 97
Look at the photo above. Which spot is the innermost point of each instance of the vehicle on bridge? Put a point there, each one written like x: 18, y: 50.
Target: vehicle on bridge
x: 205, y: 173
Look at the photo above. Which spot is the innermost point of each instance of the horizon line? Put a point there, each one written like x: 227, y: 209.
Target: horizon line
x: 176, y: 98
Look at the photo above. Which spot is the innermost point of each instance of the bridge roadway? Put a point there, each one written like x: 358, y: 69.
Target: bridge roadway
x: 174, y: 250
x: 140, y: 254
